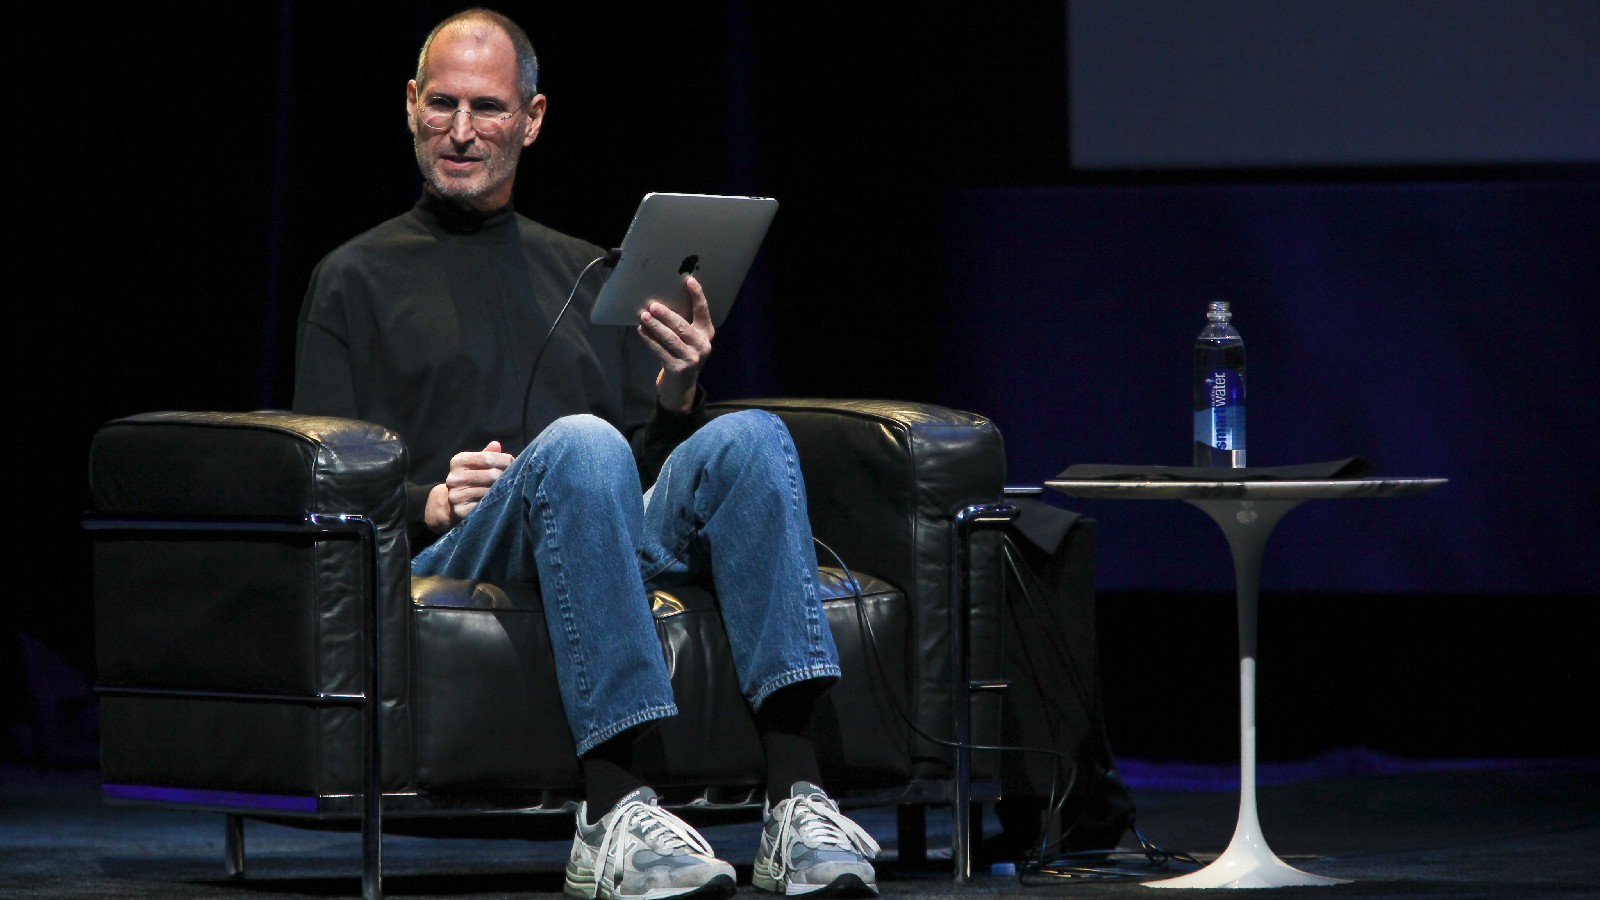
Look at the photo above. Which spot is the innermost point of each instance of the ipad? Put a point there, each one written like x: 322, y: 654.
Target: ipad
x: 712, y: 236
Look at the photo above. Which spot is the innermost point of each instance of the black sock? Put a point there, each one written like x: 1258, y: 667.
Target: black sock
x: 784, y: 723
x: 608, y: 774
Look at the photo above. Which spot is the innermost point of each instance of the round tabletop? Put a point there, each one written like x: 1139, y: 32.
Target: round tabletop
x: 1309, y: 489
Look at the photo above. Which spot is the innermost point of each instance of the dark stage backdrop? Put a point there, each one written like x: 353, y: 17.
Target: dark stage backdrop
x: 1436, y: 329
x: 186, y: 165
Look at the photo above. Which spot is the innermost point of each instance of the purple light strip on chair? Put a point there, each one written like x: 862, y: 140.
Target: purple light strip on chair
x: 192, y: 797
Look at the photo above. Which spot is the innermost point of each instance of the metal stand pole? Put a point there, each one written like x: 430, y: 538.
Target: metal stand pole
x: 233, y: 845
x: 966, y: 521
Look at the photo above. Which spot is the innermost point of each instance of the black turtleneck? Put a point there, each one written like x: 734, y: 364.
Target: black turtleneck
x: 457, y: 219
x: 428, y: 325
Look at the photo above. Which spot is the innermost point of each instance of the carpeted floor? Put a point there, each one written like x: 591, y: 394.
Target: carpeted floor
x: 1394, y: 828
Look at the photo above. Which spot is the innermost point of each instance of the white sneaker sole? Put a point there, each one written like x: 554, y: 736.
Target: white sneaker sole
x: 581, y: 886
x: 843, y: 886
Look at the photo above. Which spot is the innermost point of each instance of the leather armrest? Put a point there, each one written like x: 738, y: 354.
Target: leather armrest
x: 225, y: 608
x: 267, y: 464
x: 884, y: 480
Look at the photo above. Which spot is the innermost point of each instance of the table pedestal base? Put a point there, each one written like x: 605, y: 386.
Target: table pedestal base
x: 1248, y: 862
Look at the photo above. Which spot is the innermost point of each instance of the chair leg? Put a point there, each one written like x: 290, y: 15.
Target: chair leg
x: 911, y: 829
x: 974, y: 830
x: 233, y: 846
x: 371, y: 860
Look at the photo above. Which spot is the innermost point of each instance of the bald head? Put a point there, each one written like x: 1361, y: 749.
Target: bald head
x: 483, y: 26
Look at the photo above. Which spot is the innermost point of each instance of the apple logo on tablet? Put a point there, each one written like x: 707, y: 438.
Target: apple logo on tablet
x: 690, y: 264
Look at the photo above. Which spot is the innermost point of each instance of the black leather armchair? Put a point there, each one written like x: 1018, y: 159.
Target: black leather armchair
x: 253, y: 593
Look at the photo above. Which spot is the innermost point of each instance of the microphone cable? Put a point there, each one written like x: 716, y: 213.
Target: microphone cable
x: 609, y: 261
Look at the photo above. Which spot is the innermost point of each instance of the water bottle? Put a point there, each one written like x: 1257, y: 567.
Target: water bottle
x: 1219, y: 391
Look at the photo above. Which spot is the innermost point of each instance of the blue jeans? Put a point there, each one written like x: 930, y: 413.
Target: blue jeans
x: 570, y: 515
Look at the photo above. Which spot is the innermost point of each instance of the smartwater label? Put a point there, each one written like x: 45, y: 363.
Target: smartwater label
x: 1222, y: 425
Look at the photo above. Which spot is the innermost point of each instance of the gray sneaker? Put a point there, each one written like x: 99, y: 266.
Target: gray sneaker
x: 809, y: 848
x: 639, y: 850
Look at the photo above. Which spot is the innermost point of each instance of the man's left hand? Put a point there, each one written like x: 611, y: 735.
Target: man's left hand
x: 682, y: 344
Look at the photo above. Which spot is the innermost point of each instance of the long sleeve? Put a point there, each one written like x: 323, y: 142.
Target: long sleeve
x: 325, y: 380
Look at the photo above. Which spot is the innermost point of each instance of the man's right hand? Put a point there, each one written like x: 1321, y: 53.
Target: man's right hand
x: 471, y: 476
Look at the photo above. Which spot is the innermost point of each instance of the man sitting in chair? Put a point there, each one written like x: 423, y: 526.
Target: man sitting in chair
x: 429, y: 325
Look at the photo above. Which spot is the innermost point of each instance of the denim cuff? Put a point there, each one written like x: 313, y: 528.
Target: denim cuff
x: 793, y: 676
x: 648, y: 714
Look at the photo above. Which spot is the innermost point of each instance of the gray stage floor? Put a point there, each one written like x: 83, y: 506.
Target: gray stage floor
x: 1395, y: 828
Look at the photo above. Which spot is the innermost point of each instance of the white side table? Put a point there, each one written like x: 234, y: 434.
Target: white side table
x: 1246, y: 511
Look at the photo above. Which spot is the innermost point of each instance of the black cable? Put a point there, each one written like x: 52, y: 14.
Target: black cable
x: 1011, y: 554
x: 1156, y: 858
x: 1048, y: 864
x: 1054, y: 804
x: 1027, y: 581
x: 869, y: 640
x: 1030, y: 586
x: 610, y: 261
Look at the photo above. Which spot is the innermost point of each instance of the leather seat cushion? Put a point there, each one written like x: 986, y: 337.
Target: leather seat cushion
x: 488, y: 717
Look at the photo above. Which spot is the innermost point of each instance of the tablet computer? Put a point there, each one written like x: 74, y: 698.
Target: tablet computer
x: 712, y: 236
